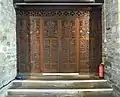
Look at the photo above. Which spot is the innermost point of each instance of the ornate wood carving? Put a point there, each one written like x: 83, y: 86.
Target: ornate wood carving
x: 23, y: 59
x: 58, y: 41
x: 50, y: 45
x: 35, y: 44
x: 52, y: 12
x: 84, y: 42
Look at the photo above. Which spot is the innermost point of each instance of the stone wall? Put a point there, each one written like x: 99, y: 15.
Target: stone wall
x: 7, y: 43
x: 111, y: 43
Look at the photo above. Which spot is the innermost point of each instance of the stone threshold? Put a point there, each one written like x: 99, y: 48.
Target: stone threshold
x: 57, y: 81
x: 60, y: 73
x: 59, y: 90
x: 59, y: 76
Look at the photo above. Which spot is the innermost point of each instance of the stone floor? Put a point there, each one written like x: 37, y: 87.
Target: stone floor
x: 60, y: 86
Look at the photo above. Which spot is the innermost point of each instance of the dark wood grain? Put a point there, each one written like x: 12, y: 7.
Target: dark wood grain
x: 59, y: 40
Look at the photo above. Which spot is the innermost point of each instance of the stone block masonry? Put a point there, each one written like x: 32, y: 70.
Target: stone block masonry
x: 111, y: 43
x: 7, y: 43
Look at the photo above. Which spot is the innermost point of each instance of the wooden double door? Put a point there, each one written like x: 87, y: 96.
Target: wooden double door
x: 59, y: 44
x: 62, y: 43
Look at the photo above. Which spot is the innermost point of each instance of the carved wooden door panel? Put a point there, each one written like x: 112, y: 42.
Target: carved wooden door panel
x: 35, y: 51
x: 50, y: 41
x: 67, y: 46
x: 23, y: 60
x: 84, y: 31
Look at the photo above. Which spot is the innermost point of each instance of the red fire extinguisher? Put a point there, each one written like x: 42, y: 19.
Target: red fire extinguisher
x: 101, y: 71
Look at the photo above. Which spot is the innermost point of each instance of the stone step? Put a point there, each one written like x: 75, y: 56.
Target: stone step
x: 59, y: 76
x: 60, y: 93
x: 60, y: 84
